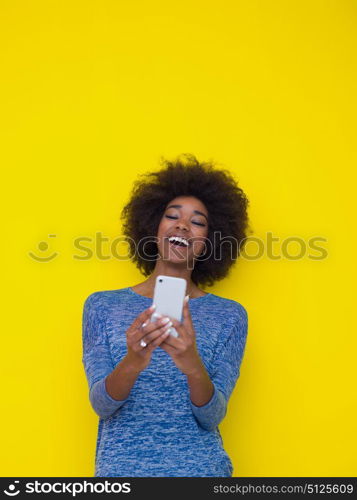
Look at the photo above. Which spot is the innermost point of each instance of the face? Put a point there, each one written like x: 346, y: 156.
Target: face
x: 184, y: 216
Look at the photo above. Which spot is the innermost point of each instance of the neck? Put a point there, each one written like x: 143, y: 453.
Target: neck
x: 167, y: 269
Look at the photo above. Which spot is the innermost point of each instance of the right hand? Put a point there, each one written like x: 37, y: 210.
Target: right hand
x: 153, y: 334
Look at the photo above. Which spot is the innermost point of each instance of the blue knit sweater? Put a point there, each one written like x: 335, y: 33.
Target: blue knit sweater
x: 157, y: 431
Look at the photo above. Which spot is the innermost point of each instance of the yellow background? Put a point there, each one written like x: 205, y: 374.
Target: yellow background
x: 93, y: 94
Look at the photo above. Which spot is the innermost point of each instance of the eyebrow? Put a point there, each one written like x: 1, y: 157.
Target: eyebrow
x: 195, y: 211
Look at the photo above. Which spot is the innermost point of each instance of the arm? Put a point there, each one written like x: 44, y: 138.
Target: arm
x: 209, y: 396
x: 121, y: 380
x: 201, y: 387
x: 109, y: 386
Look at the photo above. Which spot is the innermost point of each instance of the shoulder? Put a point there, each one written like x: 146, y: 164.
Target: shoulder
x: 233, y: 317
x: 102, y: 299
x: 230, y: 310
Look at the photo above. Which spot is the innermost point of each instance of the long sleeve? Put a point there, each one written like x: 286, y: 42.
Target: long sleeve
x: 227, y: 361
x: 96, y: 357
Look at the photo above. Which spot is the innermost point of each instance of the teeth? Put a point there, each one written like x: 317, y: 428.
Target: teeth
x: 177, y: 238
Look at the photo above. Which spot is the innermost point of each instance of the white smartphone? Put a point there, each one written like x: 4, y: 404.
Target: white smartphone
x: 169, y: 294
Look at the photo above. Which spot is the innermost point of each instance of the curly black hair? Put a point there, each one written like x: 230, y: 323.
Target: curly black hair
x: 186, y: 176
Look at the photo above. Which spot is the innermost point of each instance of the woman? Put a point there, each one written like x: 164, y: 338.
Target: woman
x: 160, y: 399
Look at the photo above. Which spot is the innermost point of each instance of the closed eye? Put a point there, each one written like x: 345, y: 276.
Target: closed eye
x: 171, y: 217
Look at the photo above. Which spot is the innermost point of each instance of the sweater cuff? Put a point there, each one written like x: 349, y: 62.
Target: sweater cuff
x: 109, y: 398
x: 210, y: 415
x: 102, y: 402
x: 211, y: 403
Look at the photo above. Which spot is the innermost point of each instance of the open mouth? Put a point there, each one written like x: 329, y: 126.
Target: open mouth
x: 176, y: 243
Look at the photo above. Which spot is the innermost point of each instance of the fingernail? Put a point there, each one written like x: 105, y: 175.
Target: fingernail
x: 186, y: 298
x: 152, y: 307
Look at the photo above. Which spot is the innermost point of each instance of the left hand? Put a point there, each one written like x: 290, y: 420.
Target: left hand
x: 183, y: 349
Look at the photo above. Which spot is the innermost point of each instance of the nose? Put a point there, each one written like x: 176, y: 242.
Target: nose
x: 180, y: 224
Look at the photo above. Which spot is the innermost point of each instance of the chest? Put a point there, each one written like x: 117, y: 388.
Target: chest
x: 118, y: 321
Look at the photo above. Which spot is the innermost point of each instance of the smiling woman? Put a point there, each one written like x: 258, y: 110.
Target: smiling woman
x: 190, y: 199
x: 160, y: 409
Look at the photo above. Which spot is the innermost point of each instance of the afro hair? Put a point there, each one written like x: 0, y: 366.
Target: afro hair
x: 185, y: 176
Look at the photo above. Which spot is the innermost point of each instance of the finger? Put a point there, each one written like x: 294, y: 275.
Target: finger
x: 158, y: 330
x: 159, y: 340
x: 140, y: 319
x: 146, y: 344
x: 148, y: 330
x: 180, y: 328
x: 143, y: 317
x: 176, y: 343
x: 166, y: 347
